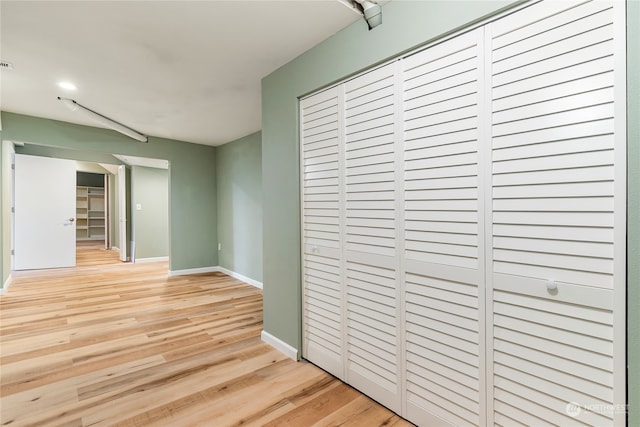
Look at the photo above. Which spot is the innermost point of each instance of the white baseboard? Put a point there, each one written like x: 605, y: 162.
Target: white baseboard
x: 6, y: 285
x: 115, y: 248
x: 152, y: 259
x: 278, y: 344
x: 187, y: 271
x: 241, y: 277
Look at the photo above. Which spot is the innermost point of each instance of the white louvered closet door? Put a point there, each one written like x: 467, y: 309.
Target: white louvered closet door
x: 322, y: 230
x: 443, y: 223
x: 372, y: 306
x: 558, y: 165
x: 464, y: 230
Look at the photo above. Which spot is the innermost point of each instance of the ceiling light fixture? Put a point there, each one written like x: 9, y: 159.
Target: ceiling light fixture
x: 74, y: 106
x: 67, y: 86
x: 372, y: 12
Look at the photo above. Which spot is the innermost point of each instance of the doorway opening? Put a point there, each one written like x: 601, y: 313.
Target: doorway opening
x: 105, y: 227
x: 93, y: 217
x: 92, y: 214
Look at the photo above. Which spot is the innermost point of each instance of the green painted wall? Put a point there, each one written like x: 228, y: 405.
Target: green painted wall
x: 239, y: 182
x: 633, y: 209
x: 65, y: 153
x: 192, y: 181
x: 150, y: 189
x: 405, y: 26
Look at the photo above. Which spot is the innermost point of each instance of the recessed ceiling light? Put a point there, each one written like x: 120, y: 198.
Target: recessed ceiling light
x: 67, y: 85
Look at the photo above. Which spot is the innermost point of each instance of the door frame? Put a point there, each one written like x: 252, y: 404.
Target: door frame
x: 122, y: 212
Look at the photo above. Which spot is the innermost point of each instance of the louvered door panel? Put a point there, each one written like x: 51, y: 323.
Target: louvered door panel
x: 321, y: 231
x: 533, y: 156
x: 550, y: 350
x: 371, y: 270
x: 556, y: 215
x: 442, y: 225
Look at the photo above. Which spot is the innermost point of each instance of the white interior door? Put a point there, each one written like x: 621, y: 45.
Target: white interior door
x: 122, y: 212
x: 45, y: 204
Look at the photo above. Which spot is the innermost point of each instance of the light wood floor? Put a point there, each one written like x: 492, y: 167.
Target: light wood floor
x: 123, y: 344
x: 88, y: 255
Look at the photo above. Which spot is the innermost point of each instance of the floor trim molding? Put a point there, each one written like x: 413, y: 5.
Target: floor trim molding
x: 240, y: 277
x: 152, y: 259
x: 278, y: 344
x: 5, y: 286
x: 212, y: 269
x: 187, y: 271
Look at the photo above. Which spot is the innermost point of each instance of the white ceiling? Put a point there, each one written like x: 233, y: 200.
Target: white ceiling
x: 187, y: 70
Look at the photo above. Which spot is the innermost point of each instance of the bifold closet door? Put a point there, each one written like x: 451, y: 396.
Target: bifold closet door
x: 349, y: 219
x: 371, y: 273
x: 322, y: 229
x: 558, y: 235
x: 464, y: 223
x: 443, y: 257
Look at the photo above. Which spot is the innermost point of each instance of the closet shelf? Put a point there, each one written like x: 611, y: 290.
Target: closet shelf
x: 90, y: 213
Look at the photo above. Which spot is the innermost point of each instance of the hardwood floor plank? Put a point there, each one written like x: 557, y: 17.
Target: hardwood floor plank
x: 40, y: 398
x: 111, y: 343
x: 119, y: 346
x: 36, y: 328
x: 15, y: 372
x: 314, y: 410
x: 360, y: 411
x: 226, y: 402
x: 91, y: 379
x: 164, y: 390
